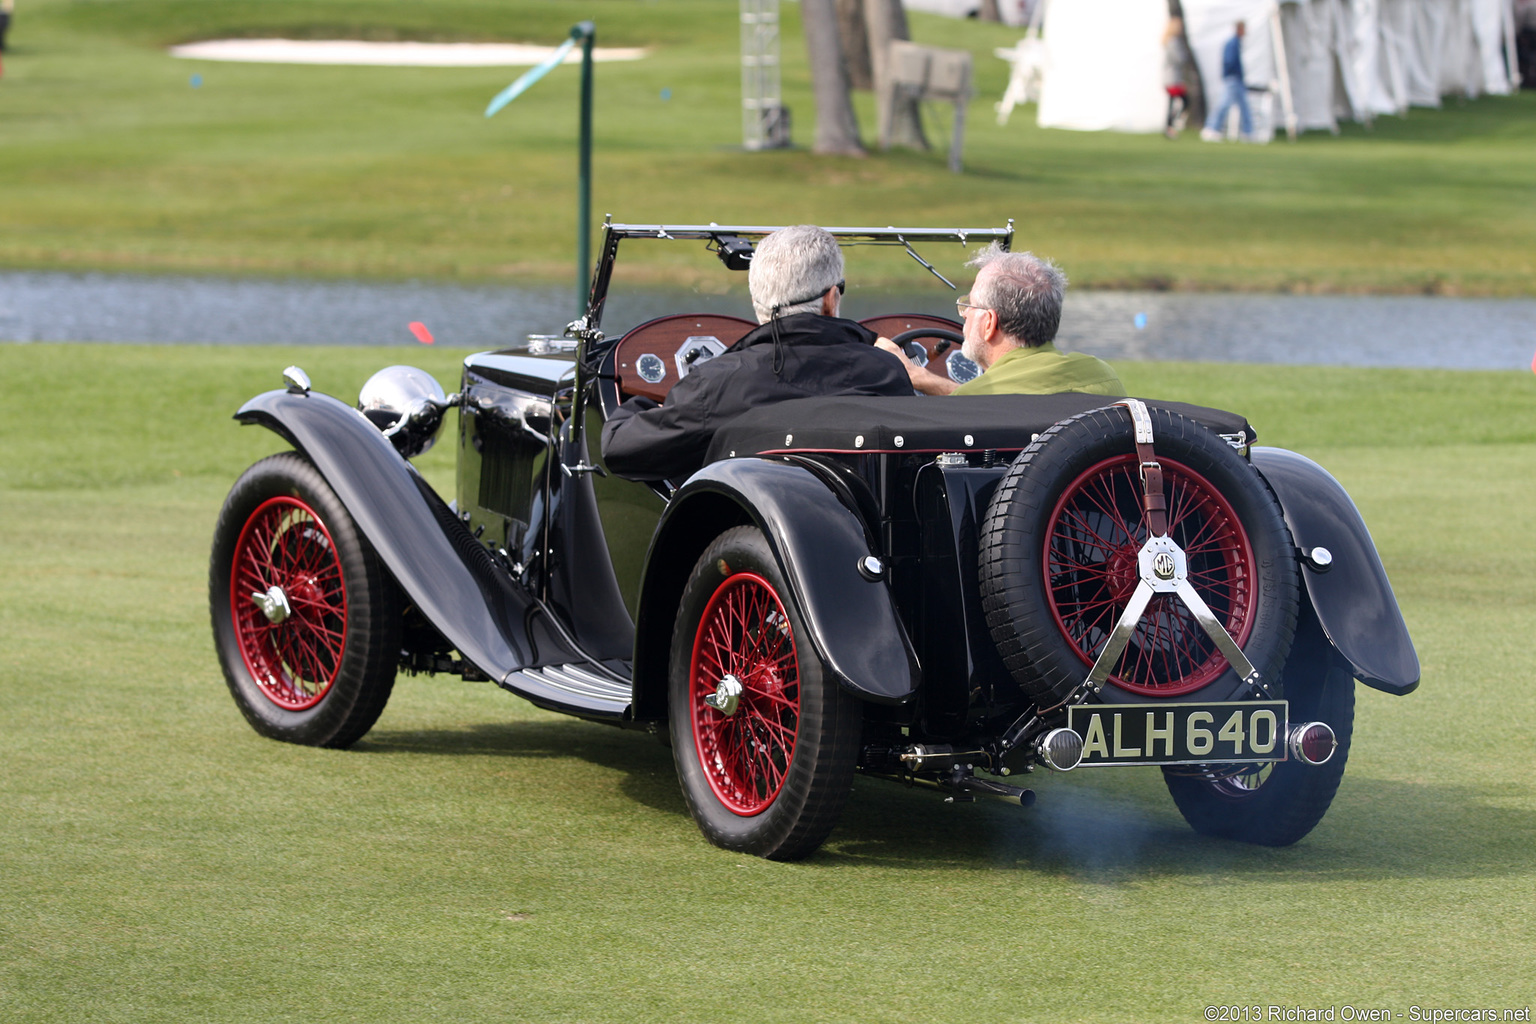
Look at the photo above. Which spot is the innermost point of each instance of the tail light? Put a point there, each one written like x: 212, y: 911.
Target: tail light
x: 1312, y: 742
x: 1060, y: 750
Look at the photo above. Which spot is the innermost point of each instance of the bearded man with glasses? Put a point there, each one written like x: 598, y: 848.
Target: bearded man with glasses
x: 1010, y: 317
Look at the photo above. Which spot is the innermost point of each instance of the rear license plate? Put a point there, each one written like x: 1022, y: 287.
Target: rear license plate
x: 1237, y: 731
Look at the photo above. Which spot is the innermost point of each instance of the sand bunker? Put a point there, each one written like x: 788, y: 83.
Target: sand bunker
x: 421, y: 55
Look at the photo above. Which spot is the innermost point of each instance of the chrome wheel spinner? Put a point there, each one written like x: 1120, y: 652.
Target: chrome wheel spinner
x: 273, y: 604
x: 727, y: 696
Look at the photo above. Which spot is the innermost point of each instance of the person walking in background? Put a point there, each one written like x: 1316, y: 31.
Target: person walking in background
x: 1234, y: 91
x: 6, y: 6
x: 1175, y: 57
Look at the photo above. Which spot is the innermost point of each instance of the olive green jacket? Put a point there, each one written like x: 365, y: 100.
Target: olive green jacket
x: 1045, y: 370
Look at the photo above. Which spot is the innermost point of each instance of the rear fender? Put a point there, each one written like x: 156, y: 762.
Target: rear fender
x: 440, y: 567
x: 853, y: 623
x: 1353, y: 600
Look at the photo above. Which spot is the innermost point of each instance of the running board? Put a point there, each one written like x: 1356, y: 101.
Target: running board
x: 574, y: 690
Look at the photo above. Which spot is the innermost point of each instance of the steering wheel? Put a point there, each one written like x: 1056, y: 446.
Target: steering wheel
x: 956, y: 366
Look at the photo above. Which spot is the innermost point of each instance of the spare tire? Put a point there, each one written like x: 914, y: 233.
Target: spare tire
x: 1059, y: 562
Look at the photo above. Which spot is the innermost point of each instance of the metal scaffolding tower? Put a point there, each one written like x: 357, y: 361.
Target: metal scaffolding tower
x: 764, y: 119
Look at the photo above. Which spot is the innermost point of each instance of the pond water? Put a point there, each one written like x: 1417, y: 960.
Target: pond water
x: 1410, y: 331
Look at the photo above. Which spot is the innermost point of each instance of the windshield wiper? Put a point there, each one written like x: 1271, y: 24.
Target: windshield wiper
x: 929, y: 266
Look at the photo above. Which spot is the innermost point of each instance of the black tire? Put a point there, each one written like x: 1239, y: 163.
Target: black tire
x: 1273, y: 805
x: 772, y: 778
x: 1058, y: 562
x: 1276, y: 805
x: 321, y: 673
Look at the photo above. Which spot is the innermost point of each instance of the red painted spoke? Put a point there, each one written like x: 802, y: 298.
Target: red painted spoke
x: 758, y: 641
x: 778, y: 730
x: 332, y: 646
x: 294, y: 555
x: 760, y: 776
x: 1083, y: 525
x: 1169, y: 654
x: 1145, y: 643
x: 1206, y: 532
x: 1111, y: 511
x: 253, y: 571
x: 774, y: 698
x: 1100, y: 625
x: 304, y: 656
x: 1179, y: 499
x: 1220, y: 575
x: 1120, y: 492
x: 1068, y: 563
x: 1176, y: 654
x: 743, y: 632
x: 1083, y: 607
x: 285, y: 545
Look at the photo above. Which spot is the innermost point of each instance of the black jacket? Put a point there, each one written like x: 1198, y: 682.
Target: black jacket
x: 816, y: 355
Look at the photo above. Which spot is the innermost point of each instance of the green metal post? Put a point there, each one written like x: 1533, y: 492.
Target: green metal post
x: 585, y: 31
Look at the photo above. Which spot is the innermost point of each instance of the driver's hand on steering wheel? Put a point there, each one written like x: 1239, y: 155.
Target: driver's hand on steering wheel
x: 924, y: 380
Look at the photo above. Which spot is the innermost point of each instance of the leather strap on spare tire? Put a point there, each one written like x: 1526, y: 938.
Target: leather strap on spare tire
x: 1059, y: 561
x: 1153, y: 501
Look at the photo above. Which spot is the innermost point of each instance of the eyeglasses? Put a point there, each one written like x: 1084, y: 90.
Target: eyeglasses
x: 963, y: 303
x: 842, y: 287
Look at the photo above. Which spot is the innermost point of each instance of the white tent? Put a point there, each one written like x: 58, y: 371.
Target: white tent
x: 1103, y: 67
x: 1310, y: 63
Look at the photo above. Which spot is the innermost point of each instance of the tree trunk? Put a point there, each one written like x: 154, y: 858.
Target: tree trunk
x: 989, y: 11
x: 901, y: 124
x: 854, y: 36
x: 837, y: 129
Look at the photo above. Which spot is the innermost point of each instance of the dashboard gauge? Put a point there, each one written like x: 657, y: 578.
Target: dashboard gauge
x: 960, y: 368
x: 651, y: 368
x: 696, y: 349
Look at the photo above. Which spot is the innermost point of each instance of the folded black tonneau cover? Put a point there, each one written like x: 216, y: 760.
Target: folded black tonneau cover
x: 922, y: 424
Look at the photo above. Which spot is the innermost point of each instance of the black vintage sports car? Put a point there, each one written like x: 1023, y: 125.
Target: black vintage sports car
x: 948, y: 592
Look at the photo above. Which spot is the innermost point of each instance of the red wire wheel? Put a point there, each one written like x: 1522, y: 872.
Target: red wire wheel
x: 1095, y: 533
x: 285, y: 552
x: 307, y: 621
x: 1058, y: 563
x: 745, y: 633
x: 772, y: 777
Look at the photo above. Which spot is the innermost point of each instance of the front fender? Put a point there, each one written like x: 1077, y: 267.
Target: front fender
x: 1353, y: 600
x: 852, y: 621
x: 455, y: 585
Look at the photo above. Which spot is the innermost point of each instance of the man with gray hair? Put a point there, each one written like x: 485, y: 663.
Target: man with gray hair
x: 1011, y: 315
x: 801, y: 349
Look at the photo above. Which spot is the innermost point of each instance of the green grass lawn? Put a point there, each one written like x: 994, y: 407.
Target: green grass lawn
x: 110, y: 159
x: 476, y: 859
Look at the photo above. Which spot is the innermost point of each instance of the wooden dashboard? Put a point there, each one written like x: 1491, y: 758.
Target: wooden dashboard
x: 941, y: 355
x: 654, y: 356
x: 657, y: 354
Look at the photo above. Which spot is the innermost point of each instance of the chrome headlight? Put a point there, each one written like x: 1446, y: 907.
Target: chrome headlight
x: 407, y: 404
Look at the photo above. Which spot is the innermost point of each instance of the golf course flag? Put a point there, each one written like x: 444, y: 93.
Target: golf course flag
x: 521, y: 86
